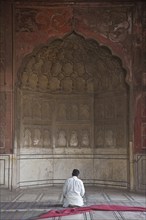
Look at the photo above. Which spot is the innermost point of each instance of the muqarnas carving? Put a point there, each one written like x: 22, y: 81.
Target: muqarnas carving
x: 72, y: 65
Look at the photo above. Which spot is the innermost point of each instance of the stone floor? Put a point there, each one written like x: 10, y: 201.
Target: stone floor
x: 26, y: 204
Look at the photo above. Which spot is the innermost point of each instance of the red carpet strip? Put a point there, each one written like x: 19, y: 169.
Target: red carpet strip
x: 80, y: 210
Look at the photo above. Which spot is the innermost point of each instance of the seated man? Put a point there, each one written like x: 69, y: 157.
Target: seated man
x: 73, y: 191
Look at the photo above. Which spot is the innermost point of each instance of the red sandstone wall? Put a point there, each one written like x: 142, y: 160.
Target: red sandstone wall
x: 139, y: 77
x: 121, y: 27
x: 6, y: 79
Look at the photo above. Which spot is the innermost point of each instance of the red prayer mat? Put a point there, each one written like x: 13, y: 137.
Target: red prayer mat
x: 80, y: 210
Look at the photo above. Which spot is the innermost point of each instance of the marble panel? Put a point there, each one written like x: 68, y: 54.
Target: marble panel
x: 133, y: 215
x: 35, y: 151
x: 55, y: 168
x: 96, y: 197
x: 73, y: 217
x: 63, y: 168
x: 114, y: 196
x: 108, y: 171
x: 35, y: 171
x: 5, y: 170
x: 138, y: 197
x: 98, y: 215
x: 50, y: 197
x: 28, y: 197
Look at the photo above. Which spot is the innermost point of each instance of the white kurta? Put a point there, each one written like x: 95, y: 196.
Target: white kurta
x: 73, y: 192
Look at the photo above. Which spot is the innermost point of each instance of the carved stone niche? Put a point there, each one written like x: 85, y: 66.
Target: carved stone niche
x: 74, y: 67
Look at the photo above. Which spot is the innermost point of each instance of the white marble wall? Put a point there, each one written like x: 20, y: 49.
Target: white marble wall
x: 48, y: 169
x: 100, y: 168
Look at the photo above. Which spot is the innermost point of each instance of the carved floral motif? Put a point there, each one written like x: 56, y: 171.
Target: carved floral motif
x: 73, y: 142
x: 85, y: 139
x: 37, y: 137
x: 61, y: 139
x: 32, y: 20
x: 73, y: 138
x: 27, y: 138
x: 113, y: 23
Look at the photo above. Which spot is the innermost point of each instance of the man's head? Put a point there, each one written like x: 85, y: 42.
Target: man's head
x: 75, y: 172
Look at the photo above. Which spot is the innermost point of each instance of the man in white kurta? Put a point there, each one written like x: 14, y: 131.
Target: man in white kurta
x: 73, y: 191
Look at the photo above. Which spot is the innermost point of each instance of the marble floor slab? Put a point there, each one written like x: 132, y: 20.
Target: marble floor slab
x: 27, y: 204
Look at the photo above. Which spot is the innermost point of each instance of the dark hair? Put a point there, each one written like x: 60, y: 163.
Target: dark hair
x: 75, y: 172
